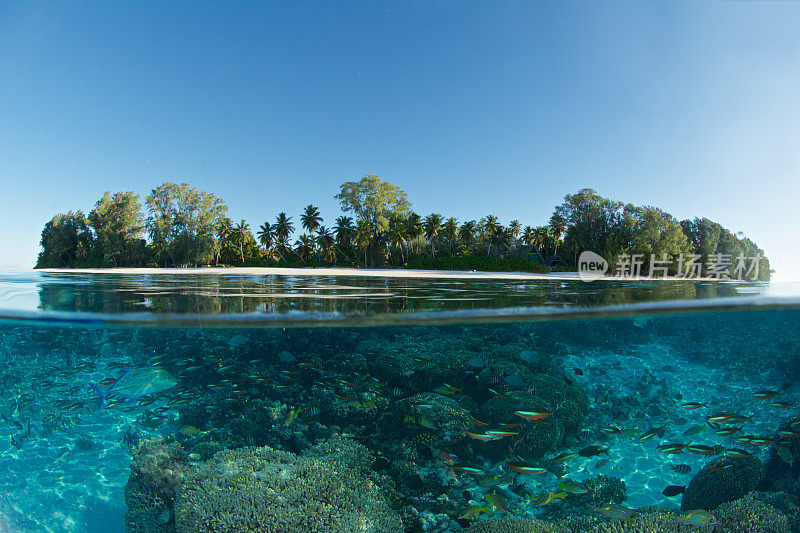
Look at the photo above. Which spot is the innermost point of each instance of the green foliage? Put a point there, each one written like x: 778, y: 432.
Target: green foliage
x: 182, y: 222
x: 483, y: 263
x: 118, y: 226
x: 66, y: 241
x: 188, y: 227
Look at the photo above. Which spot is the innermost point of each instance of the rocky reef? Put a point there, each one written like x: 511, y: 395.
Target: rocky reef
x: 714, y: 485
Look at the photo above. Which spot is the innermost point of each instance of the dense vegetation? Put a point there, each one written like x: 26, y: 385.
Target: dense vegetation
x: 188, y: 227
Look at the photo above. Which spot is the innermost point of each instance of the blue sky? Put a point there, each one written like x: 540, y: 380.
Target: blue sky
x: 474, y: 108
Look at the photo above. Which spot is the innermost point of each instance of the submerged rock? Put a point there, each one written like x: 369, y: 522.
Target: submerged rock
x: 709, y: 488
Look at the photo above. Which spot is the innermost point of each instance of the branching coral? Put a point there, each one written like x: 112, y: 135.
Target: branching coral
x: 330, y: 488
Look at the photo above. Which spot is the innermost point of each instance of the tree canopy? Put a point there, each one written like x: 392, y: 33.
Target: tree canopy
x: 186, y: 226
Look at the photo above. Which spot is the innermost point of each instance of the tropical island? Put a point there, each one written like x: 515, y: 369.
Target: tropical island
x: 181, y: 226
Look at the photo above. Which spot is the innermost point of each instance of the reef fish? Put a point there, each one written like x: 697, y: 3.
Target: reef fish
x: 765, y: 394
x: 650, y: 433
x: 474, y: 510
x: 523, y: 467
x: 532, y: 415
x: 591, y: 451
x: 138, y: 382
x: 673, y: 490
x: 546, y: 498
x: 698, y: 517
x: 483, y: 436
x: 499, y: 502
x: 614, y: 511
x: 702, y: 449
x: 681, y: 469
x: 691, y: 406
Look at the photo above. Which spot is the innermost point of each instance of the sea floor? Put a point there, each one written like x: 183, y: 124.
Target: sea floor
x: 67, y: 473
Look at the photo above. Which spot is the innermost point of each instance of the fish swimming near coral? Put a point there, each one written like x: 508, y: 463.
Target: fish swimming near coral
x: 498, y: 501
x: 238, y: 340
x: 613, y: 511
x: 570, y: 486
x: 524, y: 467
x: 698, y: 517
x: 673, y: 490
x: 474, y: 510
x: 591, y: 451
x: 547, y: 498
x: 691, y: 406
x: 650, y: 433
x: 681, y: 469
x: 137, y: 382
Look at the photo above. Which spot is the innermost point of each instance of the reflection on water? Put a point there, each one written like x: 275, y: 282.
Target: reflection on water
x: 223, y: 294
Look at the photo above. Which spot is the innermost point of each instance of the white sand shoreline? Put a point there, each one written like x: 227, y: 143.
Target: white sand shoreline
x: 336, y: 271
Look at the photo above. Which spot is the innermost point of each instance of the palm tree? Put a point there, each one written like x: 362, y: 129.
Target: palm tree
x: 325, y: 243
x: 515, y: 227
x: 241, y: 232
x: 450, y: 232
x: 432, y: 224
x: 490, y: 226
x: 528, y: 236
x: 413, y: 227
x: 343, y: 230
x: 310, y: 219
x: 265, y: 236
x: 282, y: 229
x: 542, y: 236
x: 467, y: 233
x: 398, y: 233
x: 362, y: 236
x: 558, y: 225
x: 223, y: 229
x: 305, y: 247
x: 501, y: 237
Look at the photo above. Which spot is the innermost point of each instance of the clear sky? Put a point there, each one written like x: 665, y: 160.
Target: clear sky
x: 474, y: 108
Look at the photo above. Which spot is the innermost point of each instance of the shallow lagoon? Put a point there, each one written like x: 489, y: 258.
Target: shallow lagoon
x: 386, y: 409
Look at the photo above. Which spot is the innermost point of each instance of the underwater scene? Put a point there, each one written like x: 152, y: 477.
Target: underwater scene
x: 115, y: 417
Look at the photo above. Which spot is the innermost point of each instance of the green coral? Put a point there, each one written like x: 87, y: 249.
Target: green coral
x: 329, y: 488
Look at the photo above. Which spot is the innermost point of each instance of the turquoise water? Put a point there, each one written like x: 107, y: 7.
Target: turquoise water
x: 206, y: 403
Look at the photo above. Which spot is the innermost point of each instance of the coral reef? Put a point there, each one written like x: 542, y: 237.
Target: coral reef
x: 157, y: 472
x: 160, y: 466
x: 438, y: 415
x: 566, y: 401
x: 710, y: 488
x: 752, y: 515
x: 329, y: 488
x: 647, y: 520
x: 511, y: 525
